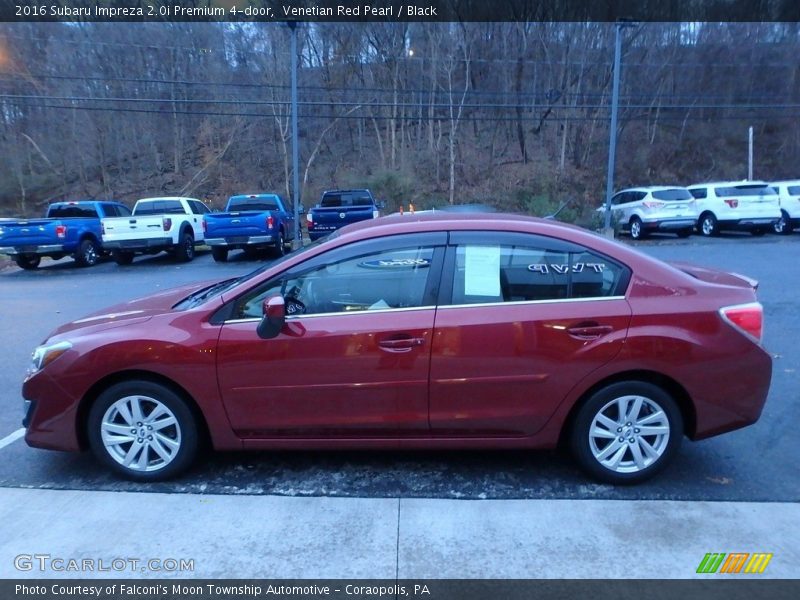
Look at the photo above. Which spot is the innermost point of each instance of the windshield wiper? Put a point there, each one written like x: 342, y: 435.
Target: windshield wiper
x: 199, y: 296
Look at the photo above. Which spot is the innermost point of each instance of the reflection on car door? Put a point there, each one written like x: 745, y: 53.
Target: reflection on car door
x: 356, y: 363
x: 526, y: 319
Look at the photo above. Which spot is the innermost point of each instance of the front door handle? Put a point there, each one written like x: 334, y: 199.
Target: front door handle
x: 589, y: 330
x: 404, y: 344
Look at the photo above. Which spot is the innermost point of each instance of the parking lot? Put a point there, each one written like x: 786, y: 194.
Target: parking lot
x: 754, y: 464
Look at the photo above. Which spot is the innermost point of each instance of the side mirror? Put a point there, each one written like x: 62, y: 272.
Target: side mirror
x: 380, y: 204
x: 274, y: 317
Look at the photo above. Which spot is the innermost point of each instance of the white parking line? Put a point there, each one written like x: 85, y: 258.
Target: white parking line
x: 12, y: 437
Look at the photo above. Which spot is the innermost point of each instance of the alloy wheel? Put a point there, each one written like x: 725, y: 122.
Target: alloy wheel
x: 629, y: 434
x: 140, y: 433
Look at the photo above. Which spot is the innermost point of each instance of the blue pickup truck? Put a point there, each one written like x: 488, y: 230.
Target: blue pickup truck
x: 70, y: 228
x: 338, y: 208
x: 250, y: 222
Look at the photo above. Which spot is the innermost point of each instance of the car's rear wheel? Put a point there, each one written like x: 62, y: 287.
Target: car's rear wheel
x: 627, y: 432
x: 708, y: 225
x: 143, y: 430
x: 280, y: 244
x: 783, y: 226
x: 185, y: 250
x: 219, y: 254
x: 122, y: 258
x: 637, y: 229
x: 27, y: 261
x: 88, y: 253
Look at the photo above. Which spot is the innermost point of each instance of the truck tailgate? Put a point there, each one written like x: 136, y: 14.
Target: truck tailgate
x: 34, y: 233
x: 236, y: 223
x: 132, y: 228
x: 342, y: 215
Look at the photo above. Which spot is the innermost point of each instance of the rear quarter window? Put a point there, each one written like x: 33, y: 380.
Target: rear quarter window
x: 699, y: 193
x: 745, y: 190
x: 676, y: 194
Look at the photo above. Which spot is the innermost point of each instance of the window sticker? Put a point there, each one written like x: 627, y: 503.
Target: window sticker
x: 482, y: 270
x: 396, y: 263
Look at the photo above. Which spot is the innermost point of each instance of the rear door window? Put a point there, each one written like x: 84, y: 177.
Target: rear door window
x: 794, y: 190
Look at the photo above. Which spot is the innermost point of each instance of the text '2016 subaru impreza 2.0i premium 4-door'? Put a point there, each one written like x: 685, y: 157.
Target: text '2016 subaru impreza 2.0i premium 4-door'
x: 428, y: 331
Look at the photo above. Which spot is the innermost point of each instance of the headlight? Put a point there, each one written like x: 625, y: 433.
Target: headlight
x: 44, y: 355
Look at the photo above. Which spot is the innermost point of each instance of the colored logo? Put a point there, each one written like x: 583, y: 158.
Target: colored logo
x: 735, y: 562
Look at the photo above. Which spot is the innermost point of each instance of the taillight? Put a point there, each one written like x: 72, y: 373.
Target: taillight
x: 310, y: 220
x: 61, y: 231
x: 732, y: 202
x: 270, y: 222
x: 652, y: 204
x: 205, y: 226
x: 747, y: 318
x: 167, y: 223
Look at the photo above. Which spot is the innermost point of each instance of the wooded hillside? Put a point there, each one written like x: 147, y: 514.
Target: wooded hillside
x: 511, y: 114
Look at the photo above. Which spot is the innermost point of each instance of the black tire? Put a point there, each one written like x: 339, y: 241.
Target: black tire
x: 184, y: 252
x: 280, y: 244
x: 29, y: 262
x: 122, y: 258
x: 684, y: 233
x: 219, y: 253
x: 605, y: 400
x: 88, y: 253
x: 758, y: 232
x: 637, y: 229
x: 783, y: 226
x: 707, y: 225
x: 184, y: 435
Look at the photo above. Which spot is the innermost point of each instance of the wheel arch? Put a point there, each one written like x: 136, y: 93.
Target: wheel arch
x: 666, y: 383
x: 134, y: 374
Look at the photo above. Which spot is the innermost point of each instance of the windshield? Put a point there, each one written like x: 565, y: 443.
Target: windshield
x: 212, y: 291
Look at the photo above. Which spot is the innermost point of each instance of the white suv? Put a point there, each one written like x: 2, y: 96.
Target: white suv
x: 789, y: 200
x: 643, y: 210
x: 730, y: 205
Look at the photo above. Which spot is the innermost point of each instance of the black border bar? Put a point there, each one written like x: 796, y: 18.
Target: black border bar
x: 399, y: 10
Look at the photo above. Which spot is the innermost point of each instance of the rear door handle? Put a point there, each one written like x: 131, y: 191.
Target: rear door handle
x: 404, y: 344
x: 589, y: 330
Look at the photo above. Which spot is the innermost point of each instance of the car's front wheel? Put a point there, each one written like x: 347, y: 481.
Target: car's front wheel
x: 627, y: 432
x: 143, y: 430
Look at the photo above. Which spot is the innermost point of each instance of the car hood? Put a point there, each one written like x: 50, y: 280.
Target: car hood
x: 716, y: 276
x: 134, y: 311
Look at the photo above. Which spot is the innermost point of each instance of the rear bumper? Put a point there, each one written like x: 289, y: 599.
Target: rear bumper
x: 241, y: 241
x: 670, y: 224
x: 46, y: 249
x: 748, y: 223
x: 138, y: 245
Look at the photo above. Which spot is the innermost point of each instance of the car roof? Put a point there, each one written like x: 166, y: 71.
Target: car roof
x: 258, y: 195
x: 167, y: 198
x: 728, y: 183
x: 652, y: 188
x: 345, y: 190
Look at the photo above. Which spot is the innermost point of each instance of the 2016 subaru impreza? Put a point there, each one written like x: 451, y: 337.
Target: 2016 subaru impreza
x: 416, y: 331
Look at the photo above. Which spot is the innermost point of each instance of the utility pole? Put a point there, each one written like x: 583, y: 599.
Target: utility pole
x: 298, y: 239
x: 750, y: 155
x: 612, y: 144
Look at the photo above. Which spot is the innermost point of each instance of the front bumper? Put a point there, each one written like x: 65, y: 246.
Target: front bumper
x: 141, y: 244
x: 46, y: 249
x: 241, y: 241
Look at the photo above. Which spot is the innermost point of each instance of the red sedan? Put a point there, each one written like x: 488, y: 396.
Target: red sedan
x: 423, y: 331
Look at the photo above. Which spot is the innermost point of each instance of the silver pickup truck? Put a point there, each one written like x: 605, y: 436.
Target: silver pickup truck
x: 170, y: 224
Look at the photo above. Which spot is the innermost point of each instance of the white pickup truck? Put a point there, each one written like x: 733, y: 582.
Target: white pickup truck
x: 169, y: 224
